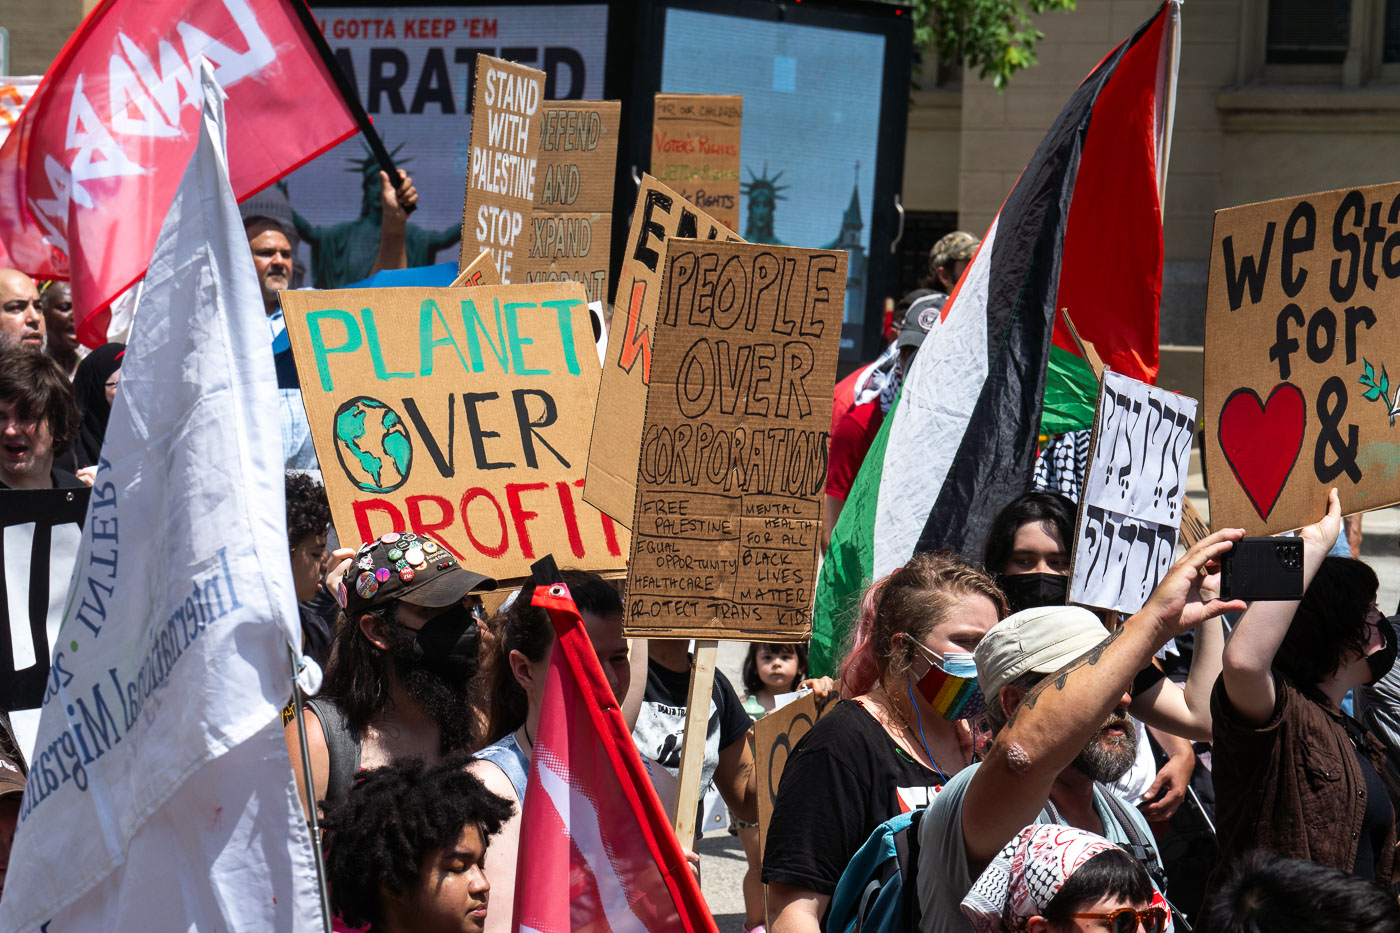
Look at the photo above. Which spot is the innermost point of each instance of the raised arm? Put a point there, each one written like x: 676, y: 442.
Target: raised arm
x: 393, y: 228
x: 1063, y: 711
x: 1249, y: 655
x: 1186, y: 712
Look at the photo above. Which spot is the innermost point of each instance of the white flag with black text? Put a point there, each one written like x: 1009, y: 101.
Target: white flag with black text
x: 160, y: 795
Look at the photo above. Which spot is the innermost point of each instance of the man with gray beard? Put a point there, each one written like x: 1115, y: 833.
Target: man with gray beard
x: 1056, y: 684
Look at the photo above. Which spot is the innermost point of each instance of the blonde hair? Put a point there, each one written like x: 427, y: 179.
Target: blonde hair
x: 912, y: 600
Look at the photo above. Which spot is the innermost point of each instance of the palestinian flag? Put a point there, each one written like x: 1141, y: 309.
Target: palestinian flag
x: 1082, y: 230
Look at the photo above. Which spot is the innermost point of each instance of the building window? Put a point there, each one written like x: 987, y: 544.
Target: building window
x: 1312, y: 32
x: 1340, y: 43
x: 1390, y: 48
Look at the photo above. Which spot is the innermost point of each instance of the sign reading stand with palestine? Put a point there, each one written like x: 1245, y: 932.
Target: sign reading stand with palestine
x: 695, y: 149
x: 622, y: 397
x: 500, y: 193
x: 458, y: 412
x: 734, y: 445
x: 1301, y: 332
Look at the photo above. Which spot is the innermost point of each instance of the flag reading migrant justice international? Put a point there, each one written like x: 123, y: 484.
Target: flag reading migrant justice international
x: 603, y: 855
x: 161, y: 796
x: 960, y: 442
x: 88, y: 171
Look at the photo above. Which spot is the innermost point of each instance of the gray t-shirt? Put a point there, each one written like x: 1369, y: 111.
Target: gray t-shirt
x: 943, y: 878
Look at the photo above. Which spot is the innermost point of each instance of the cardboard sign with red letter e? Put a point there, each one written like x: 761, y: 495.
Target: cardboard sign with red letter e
x: 622, y: 398
x: 460, y: 413
x: 1301, y: 332
x: 734, y: 447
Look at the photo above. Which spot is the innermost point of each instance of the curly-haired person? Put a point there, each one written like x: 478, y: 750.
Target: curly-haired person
x: 406, y: 848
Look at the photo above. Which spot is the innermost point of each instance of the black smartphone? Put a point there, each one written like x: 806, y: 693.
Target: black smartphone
x: 1263, y: 569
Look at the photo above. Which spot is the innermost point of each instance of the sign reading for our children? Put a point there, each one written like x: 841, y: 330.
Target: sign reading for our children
x: 460, y: 413
x: 1299, y: 344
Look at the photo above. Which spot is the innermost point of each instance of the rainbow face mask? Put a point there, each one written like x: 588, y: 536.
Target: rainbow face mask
x: 950, y: 684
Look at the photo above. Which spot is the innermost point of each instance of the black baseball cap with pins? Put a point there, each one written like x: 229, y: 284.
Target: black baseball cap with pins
x: 402, y: 565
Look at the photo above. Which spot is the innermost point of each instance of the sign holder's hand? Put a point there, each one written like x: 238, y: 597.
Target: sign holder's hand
x: 1190, y: 592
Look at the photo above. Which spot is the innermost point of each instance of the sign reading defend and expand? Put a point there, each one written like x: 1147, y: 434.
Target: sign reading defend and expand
x: 1299, y: 344
x: 734, y: 446
x: 500, y: 193
x: 695, y: 149
x: 461, y: 413
x: 622, y: 397
x: 571, y: 227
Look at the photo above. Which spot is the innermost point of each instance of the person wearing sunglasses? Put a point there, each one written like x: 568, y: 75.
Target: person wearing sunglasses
x: 904, y: 729
x: 1058, y: 879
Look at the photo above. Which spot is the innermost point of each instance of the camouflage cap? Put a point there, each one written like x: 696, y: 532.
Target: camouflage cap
x: 951, y: 248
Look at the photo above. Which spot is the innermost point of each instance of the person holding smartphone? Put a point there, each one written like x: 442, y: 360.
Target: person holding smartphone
x: 1295, y: 775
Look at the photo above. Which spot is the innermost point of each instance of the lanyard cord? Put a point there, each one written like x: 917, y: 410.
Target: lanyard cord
x: 920, y: 716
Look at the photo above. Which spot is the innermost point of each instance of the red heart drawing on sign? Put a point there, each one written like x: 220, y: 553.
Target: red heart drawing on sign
x: 1261, y: 440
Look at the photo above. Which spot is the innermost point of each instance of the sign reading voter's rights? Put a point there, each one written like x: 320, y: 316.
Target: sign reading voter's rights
x: 460, y: 413
x: 734, y: 446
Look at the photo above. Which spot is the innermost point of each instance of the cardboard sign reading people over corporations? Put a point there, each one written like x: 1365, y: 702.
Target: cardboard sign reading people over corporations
x: 734, y: 447
x: 571, y: 229
x: 695, y: 150
x: 1301, y: 332
x: 1134, y: 487
x: 501, y: 177
x: 458, y: 412
x: 622, y: 396
x: 775, y: 736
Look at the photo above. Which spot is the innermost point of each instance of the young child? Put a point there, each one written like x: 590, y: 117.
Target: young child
x: 768, y: 671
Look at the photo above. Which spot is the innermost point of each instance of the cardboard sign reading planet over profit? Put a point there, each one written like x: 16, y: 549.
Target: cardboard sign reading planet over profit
x: 1301, y: 332
x: 459, y: 413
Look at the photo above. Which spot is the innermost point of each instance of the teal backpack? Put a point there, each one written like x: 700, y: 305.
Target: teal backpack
x: 872, y: 895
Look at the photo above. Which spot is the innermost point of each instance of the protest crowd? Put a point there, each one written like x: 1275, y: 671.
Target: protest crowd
x: 967, y: 702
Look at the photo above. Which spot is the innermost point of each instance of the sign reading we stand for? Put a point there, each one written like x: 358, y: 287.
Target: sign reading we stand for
x: 1300, y: 338
x: 460, y: 413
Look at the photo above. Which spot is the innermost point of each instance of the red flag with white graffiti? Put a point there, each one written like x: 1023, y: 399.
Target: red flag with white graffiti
x: 88, y: 172
x: 591, y: 815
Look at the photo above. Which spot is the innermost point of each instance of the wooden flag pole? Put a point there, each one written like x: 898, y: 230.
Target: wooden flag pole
x: 697, y: 720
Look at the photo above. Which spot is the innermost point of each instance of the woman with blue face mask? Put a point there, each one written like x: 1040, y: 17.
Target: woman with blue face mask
x: 904, y: 729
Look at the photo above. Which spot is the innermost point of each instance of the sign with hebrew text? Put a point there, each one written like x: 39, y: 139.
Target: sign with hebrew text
x: 734, y: 445
x: 1130, y: 511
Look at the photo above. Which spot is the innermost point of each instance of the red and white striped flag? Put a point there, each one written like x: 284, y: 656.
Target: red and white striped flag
x: 591, y: 814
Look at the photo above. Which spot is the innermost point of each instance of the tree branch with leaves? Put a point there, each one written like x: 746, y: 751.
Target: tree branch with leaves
x: 994, y: 37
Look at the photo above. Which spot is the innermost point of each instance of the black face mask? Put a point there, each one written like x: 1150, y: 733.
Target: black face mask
x: 449, y: 645
x: 1033, y: 590
x: 1382, y: 661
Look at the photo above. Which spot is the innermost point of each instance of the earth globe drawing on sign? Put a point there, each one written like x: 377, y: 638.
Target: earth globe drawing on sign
x: 373, y: 445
